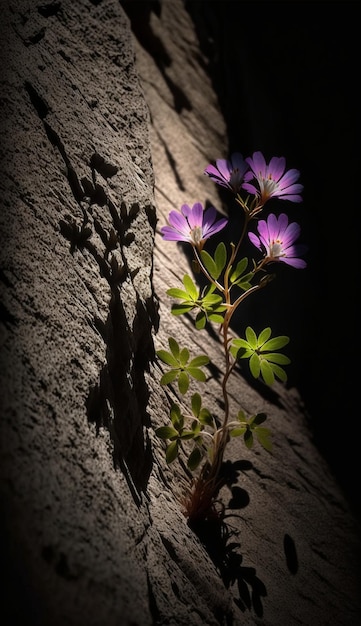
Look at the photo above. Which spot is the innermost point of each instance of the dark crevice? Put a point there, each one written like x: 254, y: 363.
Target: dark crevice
x: 37, y: 101
x: 290, y: 554
x: 49, y: 9
x: 153, y: 607
x: 7, y: 318
x: 139, y: 14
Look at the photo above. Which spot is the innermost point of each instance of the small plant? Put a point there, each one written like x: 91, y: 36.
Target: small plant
x: 230, y: 279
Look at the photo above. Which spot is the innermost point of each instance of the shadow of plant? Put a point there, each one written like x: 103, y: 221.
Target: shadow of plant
x: 217, y: 537
x: 119, y: 400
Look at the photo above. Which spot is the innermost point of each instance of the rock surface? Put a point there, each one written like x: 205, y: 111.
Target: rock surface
x: 108, y: 127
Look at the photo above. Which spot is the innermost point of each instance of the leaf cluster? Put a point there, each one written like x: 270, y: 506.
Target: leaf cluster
x: 251, y: 427
x: 239, y: 275
x: 263, y: 360
x: 183, y: 429
x: 216, y: 265
x: 182, y: 366
x: 208, y: 303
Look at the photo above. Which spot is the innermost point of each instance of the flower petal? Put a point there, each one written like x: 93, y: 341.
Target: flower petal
x: 289, y: 178
x: 195, y: 217
x: 248, y: 187
x: 255, y: 240
x: 257, y: 163
x: 224, y: 168
x: 276, y: 167
x: 178, y: 221
x: 170, y: 234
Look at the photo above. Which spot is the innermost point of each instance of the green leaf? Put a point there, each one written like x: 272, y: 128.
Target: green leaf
x: 241, y: 352
x: 258, y: 419
x: 187, y: 434
x: 240, y: 349
x: 212, y: 299
x: 206, y: 291
x: 216, y: 318
x: 240, y: 268
x: 240, y: 343
x: 196, y: 373
x: 275, y: 343
x: 196, y: 404
x: 220, y: 257
x: 255, y: 365
x: 183, y: 382
x: 177, y: 293
x: 241, y: 416
x: 166, y: 432
x: 251, y: 337
x: 236, y: 432
x: 246, y: 277
x: 205, y: 417
x: 183, y: 356
x: 190, y: 287
x: 200, y: 320
x: 279, y: 372
x: 176, y: 417
x: 181, y: 309
x: 264, y: 336
x: 196, y: 428
x: 263, y: 436
x: 202, y: 359
x: 171, y: 452
x: 194, y: 459
x: 209, y: 264
x: 267, y: 372
x: 167, y: 358
x: 248, y: 438
x: 174, y: 347
x: 244, y: 280
x: 244, y: 285
x: 169, y: 377
x: 277, y: 357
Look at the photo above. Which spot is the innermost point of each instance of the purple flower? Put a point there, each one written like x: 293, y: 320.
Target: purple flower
x: 192, y: 225
x: 230, y: 173
x: 277, y: 236
x: 271, y: 179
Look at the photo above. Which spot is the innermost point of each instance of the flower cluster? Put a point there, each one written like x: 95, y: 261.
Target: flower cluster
x: 231, y: 280
x: 262, y: 181
x: 255, y: 176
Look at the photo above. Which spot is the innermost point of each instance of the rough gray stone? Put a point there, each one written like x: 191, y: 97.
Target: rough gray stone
x: 100, y: 141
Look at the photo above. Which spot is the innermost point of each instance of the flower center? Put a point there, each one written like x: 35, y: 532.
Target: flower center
x: 275, y: 248
x: 268, y: 186
x: 196, y: 234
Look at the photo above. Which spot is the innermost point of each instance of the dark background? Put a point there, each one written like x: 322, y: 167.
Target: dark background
x: 287, y: 79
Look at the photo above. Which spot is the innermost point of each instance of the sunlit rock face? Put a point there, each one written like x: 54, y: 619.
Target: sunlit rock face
x: 109, y: 116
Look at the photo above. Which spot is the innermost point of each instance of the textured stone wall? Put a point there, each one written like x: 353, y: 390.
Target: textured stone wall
x: 104, y: 130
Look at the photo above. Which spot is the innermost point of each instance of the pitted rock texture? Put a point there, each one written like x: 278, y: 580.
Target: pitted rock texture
x: 107, y: 125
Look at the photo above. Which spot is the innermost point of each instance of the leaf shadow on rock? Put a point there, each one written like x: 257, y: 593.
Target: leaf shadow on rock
x: 220, y: 540
x: 118, y: 401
